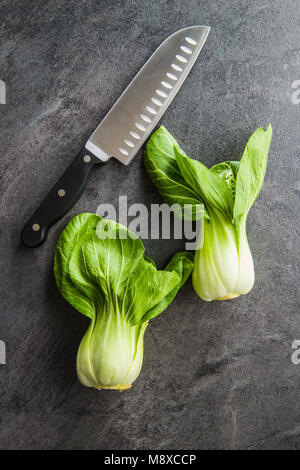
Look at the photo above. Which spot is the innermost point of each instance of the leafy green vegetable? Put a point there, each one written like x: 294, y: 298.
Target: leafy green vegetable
x: 223, y: 262
x: 160, y: 163
x: 212, y: 189
x: 251, y: 173
x: 119, y: 289
x: 227, y: 171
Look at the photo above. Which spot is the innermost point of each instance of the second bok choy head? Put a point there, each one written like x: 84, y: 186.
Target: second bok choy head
x: 223, y: 266
x: 101, y: 270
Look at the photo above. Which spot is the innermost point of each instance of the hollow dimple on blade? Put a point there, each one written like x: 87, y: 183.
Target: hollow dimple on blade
x: 133, y: 117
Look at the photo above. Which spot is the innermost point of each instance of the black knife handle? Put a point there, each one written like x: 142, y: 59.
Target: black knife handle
x: 60, y: 200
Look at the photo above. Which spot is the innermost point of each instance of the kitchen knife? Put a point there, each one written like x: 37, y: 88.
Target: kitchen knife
x: 125, y: 128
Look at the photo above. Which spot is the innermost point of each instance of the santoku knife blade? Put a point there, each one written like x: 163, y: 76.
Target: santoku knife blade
x: 125, y: 128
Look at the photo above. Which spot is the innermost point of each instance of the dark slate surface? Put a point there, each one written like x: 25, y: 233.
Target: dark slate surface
x: 215, y: 375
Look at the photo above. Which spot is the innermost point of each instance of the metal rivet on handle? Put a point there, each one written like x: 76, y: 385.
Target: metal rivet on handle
x: 36, y: 227
x: 61, y: 192
x: 87, y: 159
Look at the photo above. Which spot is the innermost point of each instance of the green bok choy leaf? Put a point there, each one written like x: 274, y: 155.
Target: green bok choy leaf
x: 119, y: 289
x: 223, y: 266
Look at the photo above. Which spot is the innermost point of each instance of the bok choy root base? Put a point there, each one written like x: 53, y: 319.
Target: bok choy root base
x: 119, y: 289
x: 223, y: 262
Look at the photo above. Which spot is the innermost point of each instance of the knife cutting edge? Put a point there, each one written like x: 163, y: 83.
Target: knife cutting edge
x: 125, y: 128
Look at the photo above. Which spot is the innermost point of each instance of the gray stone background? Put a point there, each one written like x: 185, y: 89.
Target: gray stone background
x: 215, y: 375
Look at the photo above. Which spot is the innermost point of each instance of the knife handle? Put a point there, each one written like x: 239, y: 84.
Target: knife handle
x: 60, y: 200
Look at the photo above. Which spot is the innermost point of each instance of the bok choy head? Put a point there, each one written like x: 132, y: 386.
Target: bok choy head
x: 119, y: 289
x: 223, y: 266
